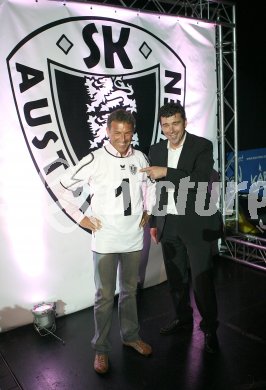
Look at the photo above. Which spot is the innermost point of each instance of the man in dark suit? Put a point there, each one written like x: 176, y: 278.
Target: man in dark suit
x: 185, y: 220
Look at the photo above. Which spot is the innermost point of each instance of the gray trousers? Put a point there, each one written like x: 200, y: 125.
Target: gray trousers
x: 106, y: 267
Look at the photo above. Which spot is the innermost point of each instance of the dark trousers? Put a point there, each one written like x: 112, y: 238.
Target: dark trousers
x: 185, y: 249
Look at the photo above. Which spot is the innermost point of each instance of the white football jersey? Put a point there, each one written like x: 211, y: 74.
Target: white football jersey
x: 119, y: 194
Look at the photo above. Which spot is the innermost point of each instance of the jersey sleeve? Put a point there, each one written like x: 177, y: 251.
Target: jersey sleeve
x: 74, y: 187
x: 148, y: 188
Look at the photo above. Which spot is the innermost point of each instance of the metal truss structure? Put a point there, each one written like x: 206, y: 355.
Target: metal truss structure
x: 244, y: 248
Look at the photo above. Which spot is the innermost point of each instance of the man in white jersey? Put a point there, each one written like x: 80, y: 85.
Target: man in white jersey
x: 122, y: 198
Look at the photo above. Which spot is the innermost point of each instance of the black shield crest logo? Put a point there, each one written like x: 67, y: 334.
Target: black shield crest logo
x: 83, y: 102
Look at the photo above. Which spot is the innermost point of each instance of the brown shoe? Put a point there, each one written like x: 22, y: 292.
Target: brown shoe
x: 101, y: 363
x: 140, y: 346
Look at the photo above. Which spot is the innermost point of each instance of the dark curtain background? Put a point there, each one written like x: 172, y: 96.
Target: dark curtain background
x: 251, y: 73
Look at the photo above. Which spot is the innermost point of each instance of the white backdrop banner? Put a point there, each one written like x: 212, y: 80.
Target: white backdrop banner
x: 64, y: 67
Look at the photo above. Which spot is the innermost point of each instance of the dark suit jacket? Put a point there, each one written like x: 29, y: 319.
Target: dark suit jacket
x: 195, y: 165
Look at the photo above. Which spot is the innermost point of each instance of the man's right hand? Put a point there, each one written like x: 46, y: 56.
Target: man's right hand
x: 91, y: 223
x: 154, y: 235
x: 155, y: 172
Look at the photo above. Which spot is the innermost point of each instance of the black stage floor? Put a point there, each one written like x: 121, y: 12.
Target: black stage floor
x: 31, y: 362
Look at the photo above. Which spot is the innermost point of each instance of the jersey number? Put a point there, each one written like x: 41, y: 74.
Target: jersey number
x: 125, y: 191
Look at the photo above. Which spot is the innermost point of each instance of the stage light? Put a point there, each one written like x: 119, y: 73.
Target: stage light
x: 44, y: 319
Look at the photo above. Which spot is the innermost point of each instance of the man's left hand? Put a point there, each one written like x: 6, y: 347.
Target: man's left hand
x: 145, y: 219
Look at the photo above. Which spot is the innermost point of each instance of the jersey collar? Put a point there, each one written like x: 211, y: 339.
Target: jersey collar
x: 109, y: 147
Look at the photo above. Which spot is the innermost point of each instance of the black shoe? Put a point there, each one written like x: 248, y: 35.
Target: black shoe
x: 177, y: 325
x: 211, y: 343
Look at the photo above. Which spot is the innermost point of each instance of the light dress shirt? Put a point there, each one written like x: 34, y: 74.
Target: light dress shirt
x: 173, y: 158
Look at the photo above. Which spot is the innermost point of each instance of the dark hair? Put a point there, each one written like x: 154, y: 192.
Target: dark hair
x: 121, y: 115
x: 170, y: 109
